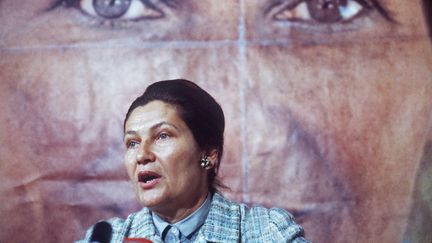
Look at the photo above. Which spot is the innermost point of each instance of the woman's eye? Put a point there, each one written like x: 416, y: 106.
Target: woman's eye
x: 115, y: 9
x: 120, y: 9
x: 132, y: 144
x: 321, y: 11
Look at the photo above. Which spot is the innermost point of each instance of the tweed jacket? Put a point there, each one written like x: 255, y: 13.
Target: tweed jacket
x: 226, y: 222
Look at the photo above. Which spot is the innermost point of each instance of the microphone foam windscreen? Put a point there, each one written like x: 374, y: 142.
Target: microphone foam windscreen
x: 101, y: 232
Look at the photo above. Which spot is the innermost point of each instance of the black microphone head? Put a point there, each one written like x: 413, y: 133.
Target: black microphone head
x: 101, y: 232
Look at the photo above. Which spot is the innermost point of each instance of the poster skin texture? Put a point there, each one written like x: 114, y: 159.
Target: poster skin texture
x: 327, y: 103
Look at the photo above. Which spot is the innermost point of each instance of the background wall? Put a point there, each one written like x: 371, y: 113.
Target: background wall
x: 328, y: 109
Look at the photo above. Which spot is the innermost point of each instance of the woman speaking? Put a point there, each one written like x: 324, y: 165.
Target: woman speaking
x: 173, y: 135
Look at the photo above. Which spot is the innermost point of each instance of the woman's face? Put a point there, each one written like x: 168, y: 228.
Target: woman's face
x: 162, y: 159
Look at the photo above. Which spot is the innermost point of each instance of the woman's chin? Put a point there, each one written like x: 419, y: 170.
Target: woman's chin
x: 150, y: 198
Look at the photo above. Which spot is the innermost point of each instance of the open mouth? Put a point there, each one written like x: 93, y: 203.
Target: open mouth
x: 147, y: 176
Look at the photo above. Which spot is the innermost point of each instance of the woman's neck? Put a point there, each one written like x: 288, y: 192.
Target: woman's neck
x: 176, y: 213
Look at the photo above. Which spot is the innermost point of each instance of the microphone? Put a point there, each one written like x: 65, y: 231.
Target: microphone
x: 101, y: 232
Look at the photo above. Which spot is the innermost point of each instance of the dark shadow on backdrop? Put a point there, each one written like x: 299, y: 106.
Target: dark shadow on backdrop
x: 420, y: 219
x: 427, y: 9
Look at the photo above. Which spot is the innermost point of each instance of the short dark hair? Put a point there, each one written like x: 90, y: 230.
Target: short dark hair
x: 197, y: 108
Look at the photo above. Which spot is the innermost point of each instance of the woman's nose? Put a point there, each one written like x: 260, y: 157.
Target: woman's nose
x: 145, y: 154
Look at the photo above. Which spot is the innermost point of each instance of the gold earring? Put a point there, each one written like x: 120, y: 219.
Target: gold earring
x: 205, y: 162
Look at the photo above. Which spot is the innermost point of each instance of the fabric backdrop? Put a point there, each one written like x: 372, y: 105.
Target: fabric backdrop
x: 328, y: 109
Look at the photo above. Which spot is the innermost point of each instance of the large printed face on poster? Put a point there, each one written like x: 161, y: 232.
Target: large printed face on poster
x: 327, y: 104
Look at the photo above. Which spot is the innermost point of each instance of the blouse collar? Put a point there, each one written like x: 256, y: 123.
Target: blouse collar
x: 188, y: 225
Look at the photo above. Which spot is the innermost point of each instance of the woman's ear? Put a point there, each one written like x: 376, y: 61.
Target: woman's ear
x: 213, y: 155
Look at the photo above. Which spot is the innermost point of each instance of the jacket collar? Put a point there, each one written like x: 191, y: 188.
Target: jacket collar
x: 142, y: 226
x: 222, y: 223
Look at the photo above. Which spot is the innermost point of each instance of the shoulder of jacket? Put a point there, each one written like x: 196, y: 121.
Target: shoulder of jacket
x: 275, y: 215
x: 264, y: 224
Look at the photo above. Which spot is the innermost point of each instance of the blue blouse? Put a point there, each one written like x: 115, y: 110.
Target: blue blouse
x: 186, y: 229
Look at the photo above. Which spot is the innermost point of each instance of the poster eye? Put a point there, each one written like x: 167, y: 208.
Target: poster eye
x: 111, y: 8
x: 321, y: 11
x: 120, y: 9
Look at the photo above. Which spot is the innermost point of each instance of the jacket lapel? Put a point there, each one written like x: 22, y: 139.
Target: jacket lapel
x: 223, y: 221
x: 141, y: 226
